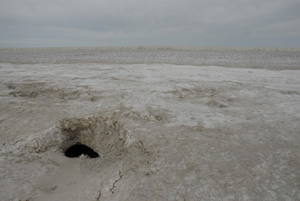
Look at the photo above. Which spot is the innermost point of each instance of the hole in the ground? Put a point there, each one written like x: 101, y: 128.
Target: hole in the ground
x: 78, y: 149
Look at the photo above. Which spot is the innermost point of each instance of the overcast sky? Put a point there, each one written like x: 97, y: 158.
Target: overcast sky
x: 241, y: 23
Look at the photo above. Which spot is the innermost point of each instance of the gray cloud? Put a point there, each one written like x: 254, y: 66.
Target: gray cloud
x: 27, y: 23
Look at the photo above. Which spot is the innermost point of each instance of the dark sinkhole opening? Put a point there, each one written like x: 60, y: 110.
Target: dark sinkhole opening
x: 78, y: 149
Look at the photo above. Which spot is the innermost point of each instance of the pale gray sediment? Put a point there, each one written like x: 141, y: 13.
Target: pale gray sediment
x: 194, y: 131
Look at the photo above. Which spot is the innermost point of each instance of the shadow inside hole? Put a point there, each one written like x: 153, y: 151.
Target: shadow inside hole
x: 78, y: 149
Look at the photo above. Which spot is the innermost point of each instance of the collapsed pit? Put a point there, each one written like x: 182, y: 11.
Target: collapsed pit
x: 93, y: 136
x: 79, y: 149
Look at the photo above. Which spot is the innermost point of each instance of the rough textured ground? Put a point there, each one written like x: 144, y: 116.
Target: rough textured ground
x: 164, y: 131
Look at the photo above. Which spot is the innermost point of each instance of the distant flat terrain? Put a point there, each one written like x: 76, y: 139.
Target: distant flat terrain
x: 267, y: 58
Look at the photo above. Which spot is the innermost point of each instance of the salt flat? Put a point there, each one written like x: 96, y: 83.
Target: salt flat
x: 169, y: 124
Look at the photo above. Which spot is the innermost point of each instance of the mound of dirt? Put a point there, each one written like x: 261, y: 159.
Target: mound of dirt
x: 105, y: 135
x: 116, y: 152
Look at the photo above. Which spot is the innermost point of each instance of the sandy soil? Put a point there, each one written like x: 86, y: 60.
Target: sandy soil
x: 164, y: 131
